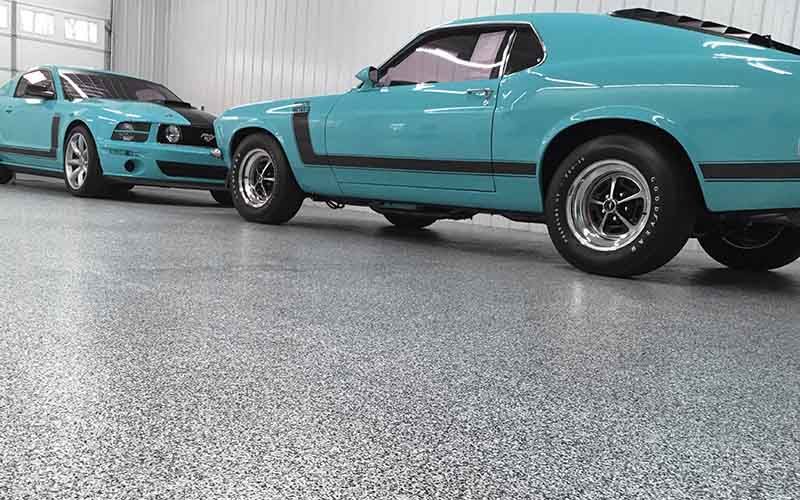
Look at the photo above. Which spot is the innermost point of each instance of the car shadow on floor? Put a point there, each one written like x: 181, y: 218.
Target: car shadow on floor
x: 690, y: 268
x: 139, y: 195
x: 781, y: 282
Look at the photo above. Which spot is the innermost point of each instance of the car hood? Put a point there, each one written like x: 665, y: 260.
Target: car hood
x: 319, y: 104
x: 152, y: 112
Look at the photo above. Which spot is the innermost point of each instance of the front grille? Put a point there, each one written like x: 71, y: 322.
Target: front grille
x: 174, y: 169
x: 190, y: 136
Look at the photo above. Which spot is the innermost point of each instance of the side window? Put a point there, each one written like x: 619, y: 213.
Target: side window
x: 33, y: 78
x: 451, y: 56
x: 526, y: 52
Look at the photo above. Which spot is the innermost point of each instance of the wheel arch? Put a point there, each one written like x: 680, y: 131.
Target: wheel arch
x: 564, y: 140
x: 245, y: 132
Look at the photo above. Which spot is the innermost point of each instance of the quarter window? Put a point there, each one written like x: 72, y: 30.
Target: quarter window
x: 35, y: 77
x: 451, y: 56
x: 527, y: 52
x: 38, y: 23
x: 81, y: 30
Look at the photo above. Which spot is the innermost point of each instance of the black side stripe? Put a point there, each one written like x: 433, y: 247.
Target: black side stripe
x: 302, y: 134
x: 750, y: 171
x: 51, y: 153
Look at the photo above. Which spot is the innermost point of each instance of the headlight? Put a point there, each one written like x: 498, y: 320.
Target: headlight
x: 173, y: 134
x: 131, y: 132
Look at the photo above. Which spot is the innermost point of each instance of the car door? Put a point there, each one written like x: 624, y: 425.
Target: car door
x: 427, y: 123
x: 31, y: 122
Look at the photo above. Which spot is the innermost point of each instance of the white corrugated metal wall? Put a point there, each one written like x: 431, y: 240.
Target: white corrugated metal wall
x: 220, y: 53
x: 47, y: 42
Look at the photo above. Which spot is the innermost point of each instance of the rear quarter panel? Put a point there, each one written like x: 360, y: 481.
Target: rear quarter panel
x: 725, y: 101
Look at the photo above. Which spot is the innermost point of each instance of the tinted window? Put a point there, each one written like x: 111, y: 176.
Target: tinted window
x: 33, y: 78
x: 455, y: 56
x: 87, y: 85
x: 526, y: 52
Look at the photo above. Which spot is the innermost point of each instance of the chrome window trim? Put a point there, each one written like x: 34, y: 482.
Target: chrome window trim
x: 445, y: 27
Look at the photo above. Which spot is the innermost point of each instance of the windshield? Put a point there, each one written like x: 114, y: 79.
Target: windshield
x: 87, y: 85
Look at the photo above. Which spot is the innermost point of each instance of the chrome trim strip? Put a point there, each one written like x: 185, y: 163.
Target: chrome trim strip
x: 443, y: 27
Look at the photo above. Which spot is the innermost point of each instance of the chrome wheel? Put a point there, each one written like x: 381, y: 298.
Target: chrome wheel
x: 608, y: 205
x: 257, y: 178
x: 76, y: 161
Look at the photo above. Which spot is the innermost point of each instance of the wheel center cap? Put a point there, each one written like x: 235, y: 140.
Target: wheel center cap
x: 610, y: 206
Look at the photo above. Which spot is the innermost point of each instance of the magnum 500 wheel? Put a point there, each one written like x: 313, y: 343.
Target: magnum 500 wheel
x: 262, y: 184
x: 618, y: 207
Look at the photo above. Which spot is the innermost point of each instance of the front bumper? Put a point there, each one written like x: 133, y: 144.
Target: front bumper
x: 156, y: 164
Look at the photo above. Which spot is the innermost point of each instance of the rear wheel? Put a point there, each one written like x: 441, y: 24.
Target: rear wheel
x: 617, y: 206
x: 82, y: 173
x: 224, y: 198
x: 410, y: 222
x: 6, y: 175
x: 753, y: 247
x: 263, y: 187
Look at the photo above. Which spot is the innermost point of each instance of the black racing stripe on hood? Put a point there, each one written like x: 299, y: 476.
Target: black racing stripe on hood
x: 195, y: 117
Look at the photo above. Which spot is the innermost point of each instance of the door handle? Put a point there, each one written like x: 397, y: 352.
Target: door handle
x: 9, y: 110
x: 487, y: 93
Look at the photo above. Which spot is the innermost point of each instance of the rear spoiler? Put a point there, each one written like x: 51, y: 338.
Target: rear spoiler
x: 708, y: 27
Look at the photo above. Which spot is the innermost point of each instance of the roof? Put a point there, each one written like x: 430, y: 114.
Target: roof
x: 59, y: 67
x: 526, y: 17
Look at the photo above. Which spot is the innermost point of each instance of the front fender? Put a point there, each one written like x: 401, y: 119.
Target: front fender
x: 275, y: 119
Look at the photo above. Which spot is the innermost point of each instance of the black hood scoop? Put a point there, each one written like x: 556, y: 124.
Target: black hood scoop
x: 196, y: 117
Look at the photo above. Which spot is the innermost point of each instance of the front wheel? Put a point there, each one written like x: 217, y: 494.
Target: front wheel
x: 6, y: 175
x: 224, y: 198
x: 753, y: 247
x: 617, y: 206
x: 82, y: 173
x: 263, y: 187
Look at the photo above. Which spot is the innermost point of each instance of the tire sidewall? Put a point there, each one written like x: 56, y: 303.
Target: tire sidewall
x: 281, y: 176
x: 94, y: 176
x: 6, y: 175
x: 780, y: 253
x: 668, y: 210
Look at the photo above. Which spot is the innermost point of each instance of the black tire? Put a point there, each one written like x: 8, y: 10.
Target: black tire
x: 224, y: 198
x: 94, y: 184
x: 410, y: 222
x: 665, y: 228
x: 285, y: 197
x: 760, y: 247
x: 116, y: 190
x: 6, y: 175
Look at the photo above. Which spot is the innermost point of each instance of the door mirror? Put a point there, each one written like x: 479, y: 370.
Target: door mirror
x: 42, y: 90
x: 368, y: 76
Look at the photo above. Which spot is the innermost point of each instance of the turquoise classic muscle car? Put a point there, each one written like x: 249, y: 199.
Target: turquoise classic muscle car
x: 627, y: 134
x: 105, y: 133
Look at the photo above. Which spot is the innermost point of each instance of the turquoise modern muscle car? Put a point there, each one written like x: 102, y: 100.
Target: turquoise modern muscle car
x: 626, y: 134
x: 105, y: 133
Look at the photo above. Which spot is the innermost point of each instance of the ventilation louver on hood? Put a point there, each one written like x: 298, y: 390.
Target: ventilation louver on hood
x: 711, y: 28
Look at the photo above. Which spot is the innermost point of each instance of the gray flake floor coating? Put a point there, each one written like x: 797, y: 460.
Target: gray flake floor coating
x: 161, y: 347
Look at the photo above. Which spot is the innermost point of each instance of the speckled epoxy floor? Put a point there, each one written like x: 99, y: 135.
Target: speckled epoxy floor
x: 160, y: 347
